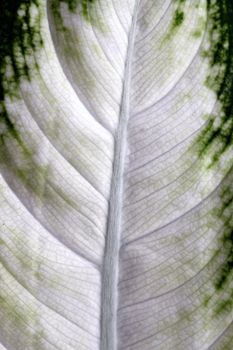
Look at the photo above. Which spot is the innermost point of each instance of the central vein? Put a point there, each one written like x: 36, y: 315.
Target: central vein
x: 111, y: 256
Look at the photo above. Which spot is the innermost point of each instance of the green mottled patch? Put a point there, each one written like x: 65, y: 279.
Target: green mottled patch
x: 224, y: 306
x: 216, y: 139
x: 82, y: 6
x: 224, y: 213
x: 20, y: 253
x: 217, y: 136
x: 200, y: 27
x: 177, y: 19
x: 10, y: 309
x: 18, y: 159
x: 24, y: 319
x: 32, y: 176
x: 22, y: 164
x: 222, y: 299
x: 20, y: 38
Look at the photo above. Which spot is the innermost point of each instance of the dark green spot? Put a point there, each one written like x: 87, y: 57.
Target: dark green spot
x: 178, y: 18
x: 197, y: 33
x: 206, y: 300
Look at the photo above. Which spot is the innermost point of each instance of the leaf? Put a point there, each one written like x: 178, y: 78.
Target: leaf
x: 116, y: 175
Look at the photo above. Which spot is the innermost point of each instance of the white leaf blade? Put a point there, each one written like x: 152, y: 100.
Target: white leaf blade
x: 113, y: 241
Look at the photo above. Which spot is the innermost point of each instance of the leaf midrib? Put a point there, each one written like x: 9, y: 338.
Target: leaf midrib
x: 110, y: 273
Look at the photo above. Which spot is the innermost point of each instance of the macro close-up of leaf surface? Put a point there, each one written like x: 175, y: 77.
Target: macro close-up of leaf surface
x: 116, y: 175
